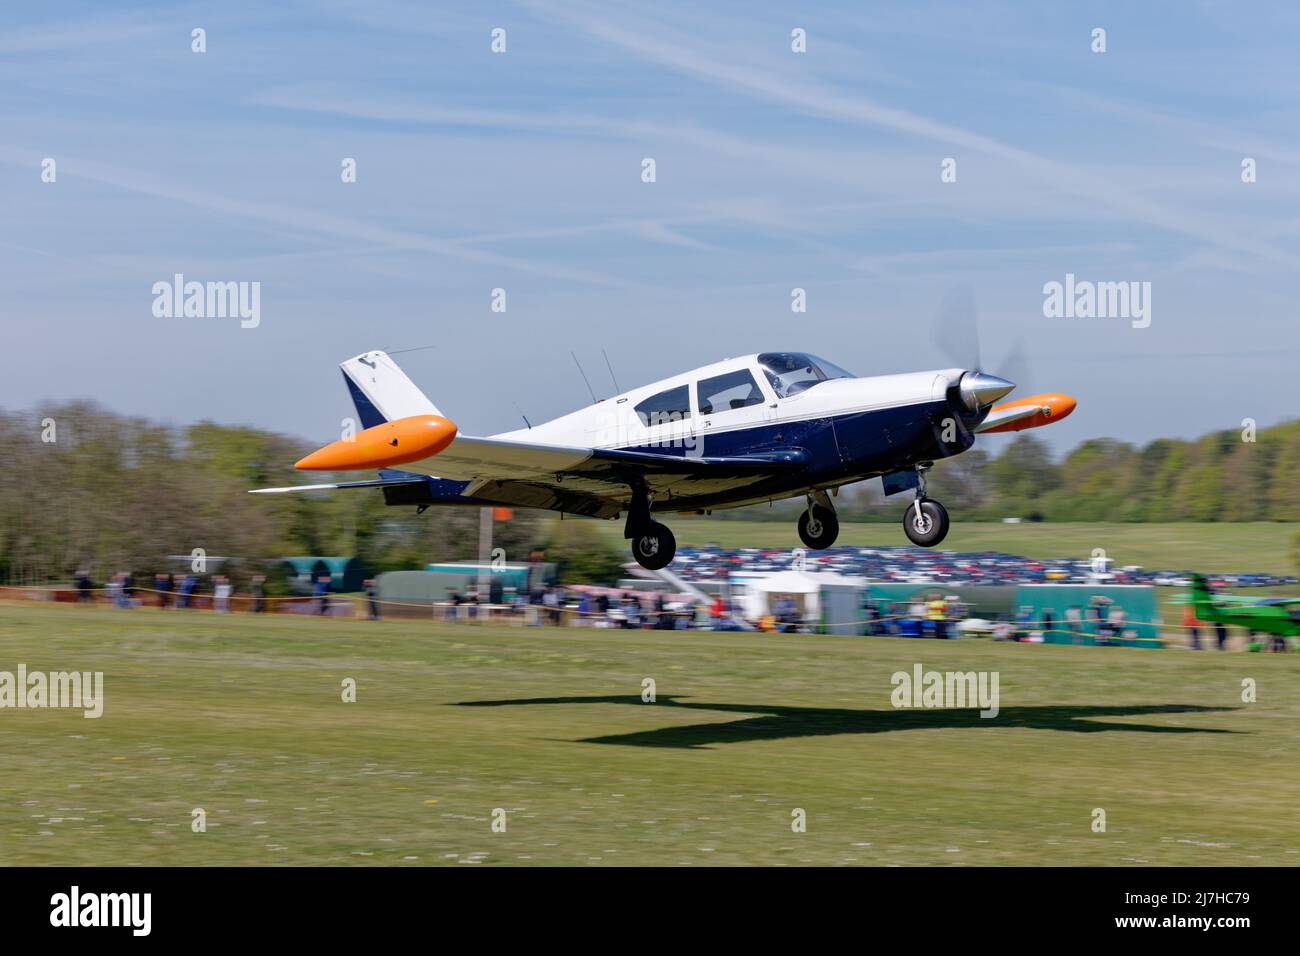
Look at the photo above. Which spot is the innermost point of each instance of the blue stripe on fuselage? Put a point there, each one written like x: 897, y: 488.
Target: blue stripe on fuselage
x: 859, y: 443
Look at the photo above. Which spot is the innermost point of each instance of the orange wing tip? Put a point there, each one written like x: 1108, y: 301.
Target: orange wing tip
x: 1053, y: 407
x: 384, y: 445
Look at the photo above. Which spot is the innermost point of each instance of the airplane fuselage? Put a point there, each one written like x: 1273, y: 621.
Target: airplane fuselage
x: 847, y: 429
x: 741, y: 431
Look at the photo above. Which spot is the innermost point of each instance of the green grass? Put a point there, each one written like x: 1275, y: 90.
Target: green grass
x: 242, y: 717
x: 1256, y: 546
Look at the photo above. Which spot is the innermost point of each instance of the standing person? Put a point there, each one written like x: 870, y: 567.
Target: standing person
x: 1074, y: 623
x: 1221, y: 632
x: 1024, y: 622
x: 84, y: 587
x: 916, y: 614
x: 372, y: 599
x: 117, y: 591
x: 1193, y: 627
x: 1117, y: 616
x: 1049, y: 622
x: 221, y: 591
x: 163, y: 585
x: 321, y: 593
x: 187, y: 590
x: 936, y: 615
x: 258, y: 588
x: 1094, y: 612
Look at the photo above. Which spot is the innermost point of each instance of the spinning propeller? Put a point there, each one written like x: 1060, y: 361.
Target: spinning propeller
x: 956, y: 333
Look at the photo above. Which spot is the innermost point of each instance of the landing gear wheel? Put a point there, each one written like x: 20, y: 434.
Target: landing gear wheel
x: 928, y: 528
x: 818, y: 527
x: 654, y: 548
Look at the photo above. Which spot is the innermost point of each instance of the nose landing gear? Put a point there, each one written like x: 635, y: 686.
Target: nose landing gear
x: 925, y: 522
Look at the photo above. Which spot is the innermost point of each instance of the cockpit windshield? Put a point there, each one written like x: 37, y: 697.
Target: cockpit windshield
x: 793, y: 372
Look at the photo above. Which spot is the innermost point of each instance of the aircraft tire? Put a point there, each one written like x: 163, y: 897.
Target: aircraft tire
x: 655, y: 547
x: 932, y: 526
x: 818, y: 527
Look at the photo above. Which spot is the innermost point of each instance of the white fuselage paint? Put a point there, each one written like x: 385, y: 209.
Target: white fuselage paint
x: 614, y: 424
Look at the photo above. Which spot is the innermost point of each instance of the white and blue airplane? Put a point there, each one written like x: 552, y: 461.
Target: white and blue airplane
x: 742, y: 431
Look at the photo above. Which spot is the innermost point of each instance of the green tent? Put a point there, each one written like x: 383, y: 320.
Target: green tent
x: 1141, y: 611
x: 346, y: 574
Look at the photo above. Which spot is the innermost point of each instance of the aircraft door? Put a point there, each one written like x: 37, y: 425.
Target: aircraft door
x: 731, y: 410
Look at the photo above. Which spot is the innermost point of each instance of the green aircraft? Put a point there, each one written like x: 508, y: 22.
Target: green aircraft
x: 1279, y: 616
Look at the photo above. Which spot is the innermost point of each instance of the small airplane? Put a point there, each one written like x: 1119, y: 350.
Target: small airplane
x: 1280, y: 616
x: 742, y: 431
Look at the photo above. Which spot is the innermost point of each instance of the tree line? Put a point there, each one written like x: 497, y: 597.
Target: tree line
x: 1217, y: 477
x: 112, y: 493
x: 84, y: 488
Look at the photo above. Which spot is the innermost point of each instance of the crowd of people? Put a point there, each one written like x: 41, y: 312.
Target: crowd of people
x: 926, y: 615
x: 594, y: 607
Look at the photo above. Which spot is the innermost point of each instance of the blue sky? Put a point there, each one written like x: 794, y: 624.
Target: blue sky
x: 521, y: 170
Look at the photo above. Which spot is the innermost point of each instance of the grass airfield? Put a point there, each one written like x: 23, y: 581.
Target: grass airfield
x: 243, y: 717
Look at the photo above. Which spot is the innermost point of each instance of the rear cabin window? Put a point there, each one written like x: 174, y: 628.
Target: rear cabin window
x: 723, y: 393
x: 673, y: 405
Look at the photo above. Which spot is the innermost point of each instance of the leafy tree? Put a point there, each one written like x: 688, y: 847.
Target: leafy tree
x: 584, y: 556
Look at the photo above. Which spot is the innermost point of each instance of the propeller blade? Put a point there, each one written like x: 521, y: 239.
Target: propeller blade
x: 956, y: 329
x: 1017, y: 368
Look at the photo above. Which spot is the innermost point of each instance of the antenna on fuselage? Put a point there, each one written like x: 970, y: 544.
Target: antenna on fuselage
x: 584, y: 376
x: 522, y: 415
x: 418, y: 348
x: 611, y: 372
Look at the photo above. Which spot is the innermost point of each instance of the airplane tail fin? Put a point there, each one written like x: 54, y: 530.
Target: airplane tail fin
x: 381, y: 391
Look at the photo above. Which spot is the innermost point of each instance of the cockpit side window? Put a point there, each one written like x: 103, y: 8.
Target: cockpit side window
x: 674, y: 405
x: 729, y: 391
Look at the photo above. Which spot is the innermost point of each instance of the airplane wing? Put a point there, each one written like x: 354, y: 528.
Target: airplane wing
x: 470, y: 459
x: 329, y: 486
x: 589, y: 481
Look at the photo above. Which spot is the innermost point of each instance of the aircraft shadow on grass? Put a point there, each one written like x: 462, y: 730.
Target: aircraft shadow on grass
x: 779, y: 723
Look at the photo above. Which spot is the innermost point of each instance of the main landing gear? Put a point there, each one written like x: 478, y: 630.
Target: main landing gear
x: 818, y: 525
x: 925, y: 522
x: 654, y: 547
x: 653, y: 544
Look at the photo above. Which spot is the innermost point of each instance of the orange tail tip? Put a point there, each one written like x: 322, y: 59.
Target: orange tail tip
x: 384, y: 445
x: 1053, y: 405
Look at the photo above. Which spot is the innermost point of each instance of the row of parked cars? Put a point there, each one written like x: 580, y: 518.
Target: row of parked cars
x: 906, y: 565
